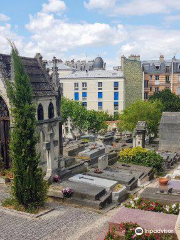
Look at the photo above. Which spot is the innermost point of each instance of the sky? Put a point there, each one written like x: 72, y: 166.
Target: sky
x: 85, y: 29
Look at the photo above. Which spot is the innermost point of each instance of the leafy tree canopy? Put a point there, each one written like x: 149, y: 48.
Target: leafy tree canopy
x: 170, y: 101
x: 82, y: 118
x: 141, y: 111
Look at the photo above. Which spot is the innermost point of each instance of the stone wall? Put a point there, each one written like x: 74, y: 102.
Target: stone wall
x: 169, y: 132
x: 133, y: 88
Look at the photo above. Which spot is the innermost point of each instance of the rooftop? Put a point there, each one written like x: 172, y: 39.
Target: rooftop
x: 40, y: 80
x: 95, y: 74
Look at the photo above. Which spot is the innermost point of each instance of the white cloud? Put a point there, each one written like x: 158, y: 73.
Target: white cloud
x: 99, y: 4
x: 150, y: 42
x: 4, y: 18
x: 172, y: 18
x: 133, y: 7
x: 50, y: 33
x: 6, y: 32
x: 54, y: 6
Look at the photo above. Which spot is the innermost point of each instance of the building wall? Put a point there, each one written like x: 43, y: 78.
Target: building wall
x: 133, y: 81
x: 92, y: 92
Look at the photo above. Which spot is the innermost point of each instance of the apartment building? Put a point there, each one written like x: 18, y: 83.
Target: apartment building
x: 107, y: 90
x: 161, y: 74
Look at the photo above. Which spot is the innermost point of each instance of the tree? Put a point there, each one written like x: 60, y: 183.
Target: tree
x: 141, y: 111
x: 82, y: 118
x: 170, y: 101
x: 29, y: 188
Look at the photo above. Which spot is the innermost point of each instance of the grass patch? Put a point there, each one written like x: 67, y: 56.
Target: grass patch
x: 11, y: 203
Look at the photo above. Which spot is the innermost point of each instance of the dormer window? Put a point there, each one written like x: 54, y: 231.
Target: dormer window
x: 157, y: 67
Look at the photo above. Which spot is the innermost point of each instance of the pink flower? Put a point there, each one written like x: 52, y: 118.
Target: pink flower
x: 133, y: 236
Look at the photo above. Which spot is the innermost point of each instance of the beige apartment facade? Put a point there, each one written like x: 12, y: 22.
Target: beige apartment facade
x: 96, y: 92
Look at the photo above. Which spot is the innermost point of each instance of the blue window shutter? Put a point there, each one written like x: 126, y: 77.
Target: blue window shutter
x: 84, y: 94
x: 100, y: 94
x: 116, y: 84
x: 116, y: 96
x: 76, y: 96
x: 100, y: 104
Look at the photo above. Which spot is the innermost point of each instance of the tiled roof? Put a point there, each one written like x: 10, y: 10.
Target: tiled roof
x: 94, y: 74
x: 39, y: 78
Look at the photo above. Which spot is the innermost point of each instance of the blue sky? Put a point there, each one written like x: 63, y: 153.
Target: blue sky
x: 79, y: 29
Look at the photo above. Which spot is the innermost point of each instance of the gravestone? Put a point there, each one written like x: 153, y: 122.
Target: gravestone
x: 95, y: 181
x: 88, y: 195
x: 103, y: 162
x: 169, y: 132
x: 140, y: 134
x: 73, y: 149
x: 154, y: 194
x: 69, y: 134
x: 122, y: 177
x: 141, y: 172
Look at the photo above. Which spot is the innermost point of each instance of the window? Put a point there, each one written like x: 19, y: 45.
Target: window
x: 116, y: 85
x: 84, y: 86
x: 157, y: 80
x: 116, y: 96
x: 76, y: 86
x: 76, y: 96
x: 84, y: 96
x: 167, y: 69
x: 178, y: 66
x: 157, y: 77
x: 40, y: 112
x: 84, y: 104
x: 178, y: 91
x: 100, y: 95
x: 51, y: 111
x: 157, y: 67
x: 146, y: 83
x: 99, y: 85
x: 167, y: 79
x: 150, y: 88
x: 145, y: 95
x: 116, y: 105
x: 156, y: 89
x: 100, y: 105
x: 179, y: 78
x: 150, y: 77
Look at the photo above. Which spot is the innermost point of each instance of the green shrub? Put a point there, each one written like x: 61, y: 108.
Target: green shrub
x: 141, y: 156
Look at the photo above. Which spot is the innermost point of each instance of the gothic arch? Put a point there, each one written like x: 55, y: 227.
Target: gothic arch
x: 40, y: 112
x: 51, y: 110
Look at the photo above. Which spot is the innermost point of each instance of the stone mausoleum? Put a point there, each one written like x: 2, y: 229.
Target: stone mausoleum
x: 47, y: 97
x: 169, y: 132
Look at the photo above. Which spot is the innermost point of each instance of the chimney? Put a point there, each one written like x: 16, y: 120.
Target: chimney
x: 161, y: 58
x: 122, y: 62
x: 134, y: 57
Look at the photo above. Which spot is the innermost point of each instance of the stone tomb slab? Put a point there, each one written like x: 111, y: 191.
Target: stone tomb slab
x: 84, y: 190
x: 153, y: 194
x: 141, y: 172
x: 94, y: 181
x: 122, y: 177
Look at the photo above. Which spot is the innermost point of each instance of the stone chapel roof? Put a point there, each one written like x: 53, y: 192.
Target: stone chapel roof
x: 40, y: 80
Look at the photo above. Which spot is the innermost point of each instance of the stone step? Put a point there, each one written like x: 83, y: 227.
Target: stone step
x: 89, y: 203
